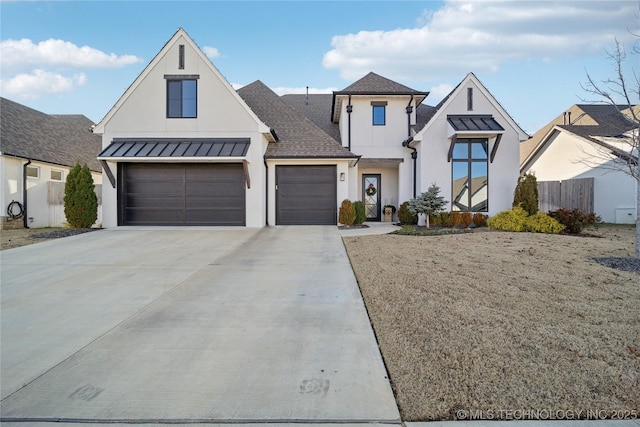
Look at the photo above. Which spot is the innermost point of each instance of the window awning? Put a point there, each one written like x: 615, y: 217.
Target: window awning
x: 476, y: 124
x: 162, y: 149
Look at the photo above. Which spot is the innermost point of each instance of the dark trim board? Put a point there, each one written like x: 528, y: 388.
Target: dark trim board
x: 306, y: 195
x: 181, y: 194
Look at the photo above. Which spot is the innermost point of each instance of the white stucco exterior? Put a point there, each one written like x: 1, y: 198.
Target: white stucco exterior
x: 568, y: 156
x: 433, y: 143
x: 141, y: 113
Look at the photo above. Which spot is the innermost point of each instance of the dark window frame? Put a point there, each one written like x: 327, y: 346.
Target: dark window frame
x: 470, y: 160
x: 177, y: 103
x: 375, y: 119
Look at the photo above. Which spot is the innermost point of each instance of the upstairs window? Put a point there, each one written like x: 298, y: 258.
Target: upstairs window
x: 182, y: 98
x: 379, y: 113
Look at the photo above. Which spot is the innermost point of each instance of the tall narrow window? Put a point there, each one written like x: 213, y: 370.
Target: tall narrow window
x: 379, y: 113
x: 470, y: 175
x: 181, y: 57
x: 469, y: 99
x: 182, y: 98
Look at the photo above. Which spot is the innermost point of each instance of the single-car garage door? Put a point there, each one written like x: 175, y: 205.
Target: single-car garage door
x: 181, y: 194
x: 306, y: 195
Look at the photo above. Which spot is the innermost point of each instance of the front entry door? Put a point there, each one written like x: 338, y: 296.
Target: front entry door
x: 371, y: 196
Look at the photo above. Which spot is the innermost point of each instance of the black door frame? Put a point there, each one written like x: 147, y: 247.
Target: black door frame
x: 378, y: 177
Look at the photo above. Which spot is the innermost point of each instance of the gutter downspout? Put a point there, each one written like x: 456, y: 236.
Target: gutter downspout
x: 266, y: 192
x: 349, y: 110
x: 24, y: 194
x: 405, y: 143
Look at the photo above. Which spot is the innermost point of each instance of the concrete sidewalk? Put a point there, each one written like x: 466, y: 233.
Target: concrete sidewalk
x: 248, y: 326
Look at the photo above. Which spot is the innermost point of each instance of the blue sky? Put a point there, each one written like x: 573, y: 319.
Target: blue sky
x: 79, y: 57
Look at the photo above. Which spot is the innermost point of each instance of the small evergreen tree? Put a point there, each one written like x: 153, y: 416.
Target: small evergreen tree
x: 361, y: 213
x: 405, y: 216
x: 526, y: 193
x: 347, y: 214
x: 80, y: 200
x: 428, y: 203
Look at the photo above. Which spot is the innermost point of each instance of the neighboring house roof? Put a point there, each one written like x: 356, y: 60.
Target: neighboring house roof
x: 317, y: 108
x: 374, y: 84
x: 591, y: 122
x: 57, y: 139
x: 298, y: 137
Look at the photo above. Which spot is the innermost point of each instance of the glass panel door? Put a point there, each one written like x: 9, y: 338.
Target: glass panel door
x: 371, y: 196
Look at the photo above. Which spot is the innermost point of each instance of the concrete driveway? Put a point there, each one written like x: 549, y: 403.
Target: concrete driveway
x: 189, y: 325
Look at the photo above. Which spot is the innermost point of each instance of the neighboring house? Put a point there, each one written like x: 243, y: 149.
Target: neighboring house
x: 182, y: 147
x: 583, y: 142
x: 37, y: 150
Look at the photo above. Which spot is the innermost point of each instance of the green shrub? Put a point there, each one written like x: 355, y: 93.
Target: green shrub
x: 517, y: 219
x: 361, y: 213
x: 575, y: 220
x: 347, y: 214
x: 405, y: 216
x: 543, y: 223
x: 511, y: 220
x: 480, y: 220
x: 526, y: 193
x: 80, y: 200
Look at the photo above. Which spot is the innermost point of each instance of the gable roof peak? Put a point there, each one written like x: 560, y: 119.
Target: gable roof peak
x: 373, y: 84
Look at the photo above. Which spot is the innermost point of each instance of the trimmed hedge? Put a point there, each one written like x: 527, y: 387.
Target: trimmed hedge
x: 518, y: 220
x: 347, y: 214
x: 361, y: 213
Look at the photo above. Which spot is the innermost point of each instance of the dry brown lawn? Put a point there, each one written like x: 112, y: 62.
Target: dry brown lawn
x: 22, y: 236
x: 495, y: 321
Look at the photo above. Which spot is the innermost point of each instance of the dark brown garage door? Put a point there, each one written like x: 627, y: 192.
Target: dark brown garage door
x: 306, y: 195
x: 181, y: 194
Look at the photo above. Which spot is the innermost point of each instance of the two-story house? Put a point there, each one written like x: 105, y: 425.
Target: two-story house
x: 182, y: 147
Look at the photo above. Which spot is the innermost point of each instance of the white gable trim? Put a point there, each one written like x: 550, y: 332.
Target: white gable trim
x: 181, y: 33
x: 523, y: 136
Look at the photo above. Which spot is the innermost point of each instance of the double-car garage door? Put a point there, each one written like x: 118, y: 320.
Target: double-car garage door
x: 181, y: 194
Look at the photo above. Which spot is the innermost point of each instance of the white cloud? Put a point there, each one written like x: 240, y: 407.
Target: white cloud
x: 40, y: 82
x: 482, y: 36
x: 440, y: 91
x: 33, y: 69
x: 211, y: 52
x: 24, y: 54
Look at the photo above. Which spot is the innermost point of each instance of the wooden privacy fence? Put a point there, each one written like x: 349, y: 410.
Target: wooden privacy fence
x: 568, y: 194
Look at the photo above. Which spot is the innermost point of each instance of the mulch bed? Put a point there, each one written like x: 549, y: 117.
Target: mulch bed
x: 61, y: 233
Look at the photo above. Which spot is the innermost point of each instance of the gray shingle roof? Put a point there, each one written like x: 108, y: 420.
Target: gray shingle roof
x: 317, y: 108
x: 298, y: 137
x: 58, y: 139
x: 373, y: 83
